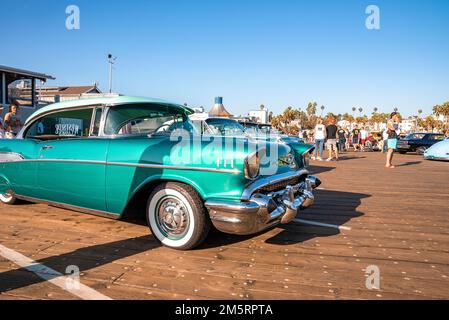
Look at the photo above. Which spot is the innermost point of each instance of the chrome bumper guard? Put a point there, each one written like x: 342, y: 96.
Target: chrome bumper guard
x: 262, y: 211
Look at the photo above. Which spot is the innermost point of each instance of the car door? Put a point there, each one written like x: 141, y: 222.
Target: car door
x: 71, y: 165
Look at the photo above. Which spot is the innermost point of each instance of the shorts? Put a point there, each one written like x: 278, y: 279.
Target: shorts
x: 331, y: 144
x: 392, y: 143
x: 355, y: 140
x: 362, y: 141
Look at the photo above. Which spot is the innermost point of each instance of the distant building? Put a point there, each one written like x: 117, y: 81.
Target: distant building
x: 12, y: 83
x: 219, y: 110
x: 260, y: 116
x: 199, y: 114
x: 66, y: 93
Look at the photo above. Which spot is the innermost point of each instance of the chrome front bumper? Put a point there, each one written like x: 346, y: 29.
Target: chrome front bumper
x: 262, y: 211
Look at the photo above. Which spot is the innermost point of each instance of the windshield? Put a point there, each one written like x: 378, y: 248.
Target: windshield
x: 145, y: 119
x: 225, y: 127
x: 267, y: 129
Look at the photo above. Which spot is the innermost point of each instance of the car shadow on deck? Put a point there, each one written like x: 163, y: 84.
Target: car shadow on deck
x: 85, y: 259
x: 331, y: 207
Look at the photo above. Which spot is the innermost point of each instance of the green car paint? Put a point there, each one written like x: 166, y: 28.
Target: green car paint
x: 103, y: 173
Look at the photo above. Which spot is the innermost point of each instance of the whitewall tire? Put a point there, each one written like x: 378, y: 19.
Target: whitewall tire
x: 176, y: 216
x: 7, y: 198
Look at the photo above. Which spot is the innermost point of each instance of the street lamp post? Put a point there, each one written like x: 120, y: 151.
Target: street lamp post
x: 111, y: 61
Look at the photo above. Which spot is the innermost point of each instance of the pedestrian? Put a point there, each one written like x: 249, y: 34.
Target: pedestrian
x: 347, y: 137
x: 393, y: 134
x: 12, y: 122
x: 2, y: 128
x: 331, y: 134
x: 363, y: 138
x: 320, y: 135
x: 341, y: 134
x: 355, y: 138
x: 384, y: 139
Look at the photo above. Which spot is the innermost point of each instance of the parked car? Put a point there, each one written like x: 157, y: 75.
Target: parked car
x: 264, y: 130
x: 418, y: 142
x: 101, y: 156
x: 374, y: 141
x: 439, y: 151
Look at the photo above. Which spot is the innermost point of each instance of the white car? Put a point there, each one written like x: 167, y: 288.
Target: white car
x: 439, y: 151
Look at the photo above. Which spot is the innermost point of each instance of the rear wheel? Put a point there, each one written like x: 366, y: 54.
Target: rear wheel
x: 8, y: 197
x: 176, y: 216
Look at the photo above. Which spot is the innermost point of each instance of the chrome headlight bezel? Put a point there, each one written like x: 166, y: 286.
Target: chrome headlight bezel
x: 306, y: 157
x: 252, y: 166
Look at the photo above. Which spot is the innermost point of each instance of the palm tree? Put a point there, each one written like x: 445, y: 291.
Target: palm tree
x: 322, y: 109
x: 376, y: 109
x: 354, y: 109
x: 395, y: 109
x: 360, y: 110
x: 311, y: 108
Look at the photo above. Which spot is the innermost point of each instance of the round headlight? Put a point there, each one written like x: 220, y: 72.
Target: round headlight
x: 252, y: 166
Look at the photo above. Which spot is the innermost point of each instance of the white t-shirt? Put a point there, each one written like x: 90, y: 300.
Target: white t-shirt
x: 320, y: 132
x: 363, y: 134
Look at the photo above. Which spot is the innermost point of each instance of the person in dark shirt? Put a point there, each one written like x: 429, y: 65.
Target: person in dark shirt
x: 355, y: 138
x: 341, y: 133
x: 331, y: 133
x: 393, y: 135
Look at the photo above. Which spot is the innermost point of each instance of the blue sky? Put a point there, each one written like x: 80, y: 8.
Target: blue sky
x: 278, y: 53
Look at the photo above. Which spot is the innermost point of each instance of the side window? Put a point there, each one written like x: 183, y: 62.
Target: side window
x: 144, y: 119
x: 61, y: 125
x: 437, y: 138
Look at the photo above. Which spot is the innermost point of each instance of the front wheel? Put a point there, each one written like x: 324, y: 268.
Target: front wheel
x: 421, y: 150
x: 176, y: 216
x: 8, y: 198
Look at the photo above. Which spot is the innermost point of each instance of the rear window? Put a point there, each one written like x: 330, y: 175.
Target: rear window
x: 61, y: 125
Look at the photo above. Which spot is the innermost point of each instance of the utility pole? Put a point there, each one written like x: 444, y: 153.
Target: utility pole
x: 111, y: 61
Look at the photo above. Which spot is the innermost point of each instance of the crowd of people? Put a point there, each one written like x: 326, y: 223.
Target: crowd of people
x: 337, y: 139
x: 11, y: 124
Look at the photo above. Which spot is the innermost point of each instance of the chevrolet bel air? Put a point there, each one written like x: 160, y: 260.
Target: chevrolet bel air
x: 106, y: 155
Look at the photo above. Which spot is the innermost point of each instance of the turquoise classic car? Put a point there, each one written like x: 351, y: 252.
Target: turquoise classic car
x: 102, y: 156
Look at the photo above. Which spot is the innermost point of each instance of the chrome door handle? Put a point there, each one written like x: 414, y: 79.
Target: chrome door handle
x: 47, y: 147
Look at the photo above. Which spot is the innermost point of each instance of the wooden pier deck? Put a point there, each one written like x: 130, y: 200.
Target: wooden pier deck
x: 397, y: 220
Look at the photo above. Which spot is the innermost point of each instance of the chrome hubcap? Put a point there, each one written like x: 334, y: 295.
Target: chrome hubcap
x: 172, y: 217
x: 6, y: 196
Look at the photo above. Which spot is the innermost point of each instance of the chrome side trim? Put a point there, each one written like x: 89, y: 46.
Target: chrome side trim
x: 127, y: 164
x: 10, y: 157
x: 258, y: 184
x: 71, y: 207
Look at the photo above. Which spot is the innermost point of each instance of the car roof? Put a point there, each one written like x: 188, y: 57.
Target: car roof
x: 109, y: 101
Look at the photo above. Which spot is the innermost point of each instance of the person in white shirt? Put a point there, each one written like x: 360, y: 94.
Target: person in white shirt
x: 363, y: 137
x: 320, y: 136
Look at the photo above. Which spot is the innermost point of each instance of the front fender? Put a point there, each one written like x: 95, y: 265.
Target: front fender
x: 167, y: 177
